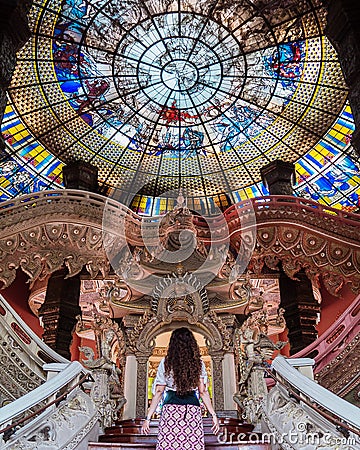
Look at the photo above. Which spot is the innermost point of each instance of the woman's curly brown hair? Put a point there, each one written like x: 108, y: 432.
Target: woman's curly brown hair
x: 183, y: 360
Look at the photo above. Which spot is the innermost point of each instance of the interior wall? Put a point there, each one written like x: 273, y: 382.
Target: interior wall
x: 17, y: 295
x: 332, y: 307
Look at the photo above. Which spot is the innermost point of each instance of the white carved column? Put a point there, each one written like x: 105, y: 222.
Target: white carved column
x: 229, y: 381
x: 130, y: 387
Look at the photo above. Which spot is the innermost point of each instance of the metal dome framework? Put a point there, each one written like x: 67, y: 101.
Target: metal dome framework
x: 163, y: 95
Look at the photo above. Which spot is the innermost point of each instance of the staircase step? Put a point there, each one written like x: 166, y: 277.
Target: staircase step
x: 115, y: 446
x: 217, y: 446
x: 129, y: 438
x: 134, y: 426
x: 151, y: 437
x: 131, y: 429
x: 136, y: 429
x: 127, y: 434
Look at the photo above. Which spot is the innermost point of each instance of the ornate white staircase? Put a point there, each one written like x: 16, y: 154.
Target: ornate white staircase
x: 299, y: 414
x: 44, y: 405
x: 22, y: 356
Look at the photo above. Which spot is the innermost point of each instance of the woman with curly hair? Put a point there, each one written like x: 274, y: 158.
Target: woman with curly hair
x: 180, y: 373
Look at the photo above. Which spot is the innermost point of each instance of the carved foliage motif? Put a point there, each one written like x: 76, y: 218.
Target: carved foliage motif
x: 253, y: 348
x: 226, y: 333
x: 45, y: 249
x: 312, y: 240
x: 284, y: 417
x: 343, y: 370
x: 141, y: 385
x: 137, y: 337
x: 180, y: 294
x: 218, y: 387
x: 64, y: 427
x: 108, y: 369
x: 336, y: 262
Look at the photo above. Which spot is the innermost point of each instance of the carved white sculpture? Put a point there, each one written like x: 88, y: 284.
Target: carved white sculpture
x: 254, y: 349
x: 107, y: 390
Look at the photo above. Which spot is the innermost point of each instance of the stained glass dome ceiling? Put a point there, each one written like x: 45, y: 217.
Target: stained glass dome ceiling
x: 198, y: 94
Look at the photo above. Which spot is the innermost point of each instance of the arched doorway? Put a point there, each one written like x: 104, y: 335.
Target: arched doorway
x: 215, y: 343
x: 159, y: 352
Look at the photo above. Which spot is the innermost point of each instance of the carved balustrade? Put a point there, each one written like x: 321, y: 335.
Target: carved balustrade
x: 336, y: 352
x: 298, y: 413
x: 40, y: 233
x: 22, y: 356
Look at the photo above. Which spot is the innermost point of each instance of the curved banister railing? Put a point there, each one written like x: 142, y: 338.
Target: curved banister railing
x: 25, y: 337
x: 41, y: 395
x: 25, y: 207
x: 333, y: 341
x: 34, y: 200
x: 329, y: 402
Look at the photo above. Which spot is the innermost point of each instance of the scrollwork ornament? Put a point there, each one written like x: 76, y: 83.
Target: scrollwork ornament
x: 226, y: 334
x: 133, y: 335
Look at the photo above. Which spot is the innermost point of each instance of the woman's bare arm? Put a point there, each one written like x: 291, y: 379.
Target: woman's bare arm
x: 154, y: 402
x: 205, y: 397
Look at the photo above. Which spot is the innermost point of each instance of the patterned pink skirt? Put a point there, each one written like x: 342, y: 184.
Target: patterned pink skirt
x: 180, y: 428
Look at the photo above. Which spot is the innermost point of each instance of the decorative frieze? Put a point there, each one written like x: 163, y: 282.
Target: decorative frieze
x: 58, y: 231
x: 341, y: 374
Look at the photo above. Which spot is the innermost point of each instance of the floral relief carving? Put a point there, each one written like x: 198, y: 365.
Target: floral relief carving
x: 64, y: 427
x: 336, y: 262
x: 136, y: 336
x: 226, y: 333
x: 45, y: 235
x: 342, y: 370
x: 45, y: 249
x: 283, y: 417
x: 107, y: 369
x: 16, y: 377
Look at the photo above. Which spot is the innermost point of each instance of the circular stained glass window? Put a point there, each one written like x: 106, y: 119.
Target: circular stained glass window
x: 191, y: 94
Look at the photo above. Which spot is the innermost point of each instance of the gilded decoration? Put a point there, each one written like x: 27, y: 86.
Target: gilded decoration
x: 45, y: 235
